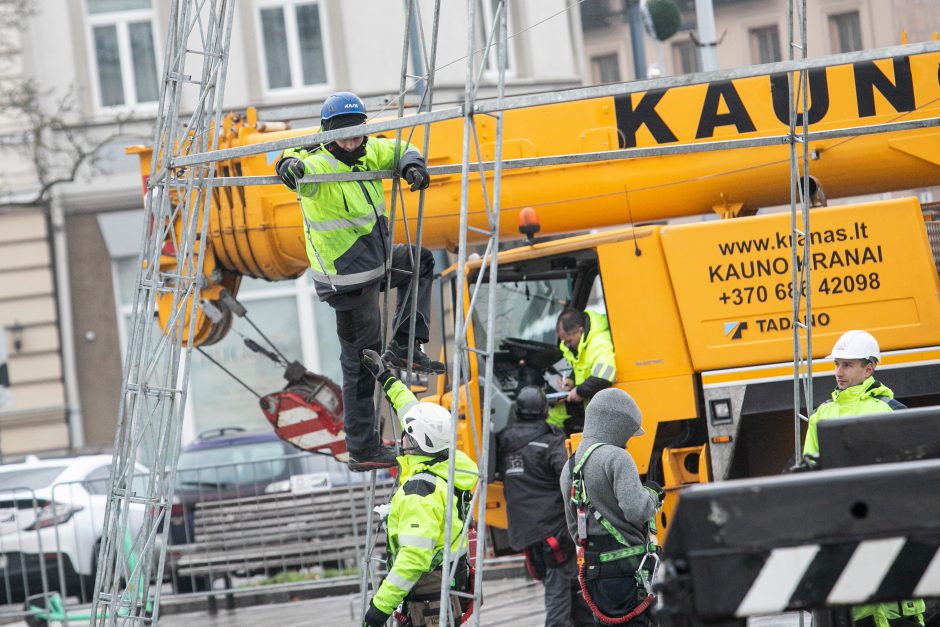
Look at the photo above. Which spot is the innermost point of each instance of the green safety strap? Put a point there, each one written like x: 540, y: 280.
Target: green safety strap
x: 619, y: 554
x: 580, y: 497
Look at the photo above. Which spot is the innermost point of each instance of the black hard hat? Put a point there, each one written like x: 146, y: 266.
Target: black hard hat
x: 531, y: 403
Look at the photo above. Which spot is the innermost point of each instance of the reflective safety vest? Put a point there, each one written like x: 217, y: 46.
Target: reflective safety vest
x: 345, y: 222
x: 595, y: 358
x: 868, y: 397
x: 415, y: 522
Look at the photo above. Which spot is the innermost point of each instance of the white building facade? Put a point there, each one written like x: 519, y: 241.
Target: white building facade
x: 285, y: 57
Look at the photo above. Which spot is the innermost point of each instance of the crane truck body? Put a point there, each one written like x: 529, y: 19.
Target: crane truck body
x: 700, y: 313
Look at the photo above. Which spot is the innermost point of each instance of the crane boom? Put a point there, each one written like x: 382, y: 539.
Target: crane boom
x: 256, y: 230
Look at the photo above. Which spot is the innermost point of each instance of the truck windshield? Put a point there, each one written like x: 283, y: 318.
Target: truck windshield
x: 524, y: 309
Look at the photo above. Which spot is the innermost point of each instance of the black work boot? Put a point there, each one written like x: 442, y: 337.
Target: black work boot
x: 382, y: 456
x: 397, y: 357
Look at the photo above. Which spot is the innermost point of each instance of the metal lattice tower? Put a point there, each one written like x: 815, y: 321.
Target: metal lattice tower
x: 156, y: 370
x: 463, y: 351
x: 800, y: 270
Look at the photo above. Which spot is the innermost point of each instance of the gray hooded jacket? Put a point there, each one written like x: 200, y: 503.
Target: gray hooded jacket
x: 611, y: 479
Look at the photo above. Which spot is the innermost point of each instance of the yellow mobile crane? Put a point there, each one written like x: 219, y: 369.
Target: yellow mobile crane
x: 700, y: 313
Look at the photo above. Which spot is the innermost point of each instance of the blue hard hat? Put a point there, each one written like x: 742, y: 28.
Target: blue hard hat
x: 342, y: 109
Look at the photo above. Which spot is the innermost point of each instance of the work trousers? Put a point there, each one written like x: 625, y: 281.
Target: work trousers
x: 358, y: 325
x: 564, y: 606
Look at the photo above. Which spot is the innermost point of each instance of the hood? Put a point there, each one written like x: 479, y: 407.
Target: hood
x: 869, y: 388
x: 465, y: 472
x: 611, y: 417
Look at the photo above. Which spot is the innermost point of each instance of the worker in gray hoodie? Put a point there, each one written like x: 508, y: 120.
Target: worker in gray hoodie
x: 609, y: 512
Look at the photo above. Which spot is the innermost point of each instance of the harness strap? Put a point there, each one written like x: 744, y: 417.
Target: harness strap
x: 619, y: 554
x: 555, y: 546
x: 609, y: 620
x: 580, y: 497
x: 581, y: 500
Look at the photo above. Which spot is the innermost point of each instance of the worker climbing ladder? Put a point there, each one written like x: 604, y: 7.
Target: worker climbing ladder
x: 459, y: 374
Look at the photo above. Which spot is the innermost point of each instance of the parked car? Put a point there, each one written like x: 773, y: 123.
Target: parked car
x: 51, y: 519
x: 232, y: 463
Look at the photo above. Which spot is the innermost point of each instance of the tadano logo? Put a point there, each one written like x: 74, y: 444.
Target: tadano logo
x: 735, y: 329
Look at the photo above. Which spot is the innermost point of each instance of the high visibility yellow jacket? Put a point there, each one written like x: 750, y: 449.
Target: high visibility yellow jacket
x: 419, y: 507
x: 345, y: 223
x: 868, y: 397
x: 595, y: 358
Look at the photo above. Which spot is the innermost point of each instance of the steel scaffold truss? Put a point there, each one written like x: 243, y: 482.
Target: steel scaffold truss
x: 800, y: 271
x: 156, y: 370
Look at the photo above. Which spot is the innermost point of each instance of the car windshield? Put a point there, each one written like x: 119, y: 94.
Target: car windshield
x: 29, y: 478
x: 253, y: 463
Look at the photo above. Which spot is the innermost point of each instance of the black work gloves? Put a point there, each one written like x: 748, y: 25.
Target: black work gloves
x: 290, y: 170
x: 374, y: 617
x: 655, y: 489
x: 374, y: 363
x: 417, y: 176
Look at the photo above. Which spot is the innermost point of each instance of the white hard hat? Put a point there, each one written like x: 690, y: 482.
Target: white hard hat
x: 856, y: 345
x: 430, y: 426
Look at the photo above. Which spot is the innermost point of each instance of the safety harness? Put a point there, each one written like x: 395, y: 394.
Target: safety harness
x: 624, y: 550
x: 431, y: 581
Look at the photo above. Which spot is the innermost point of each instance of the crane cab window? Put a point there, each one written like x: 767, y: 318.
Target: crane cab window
x: 529, y: 296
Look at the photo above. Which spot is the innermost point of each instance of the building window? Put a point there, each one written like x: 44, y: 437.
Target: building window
x: 595, y: 14
x: 765, y: 44
x: 292, y: 43
x: 845, y: 32
x: 605, y: 69
x: 486, y: 16
x: 685, y: 57
x: 124, y: 55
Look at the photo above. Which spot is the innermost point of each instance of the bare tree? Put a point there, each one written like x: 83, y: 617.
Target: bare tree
x: 48, y: 128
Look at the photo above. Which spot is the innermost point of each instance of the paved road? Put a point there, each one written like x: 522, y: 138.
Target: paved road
x: 515, y: 602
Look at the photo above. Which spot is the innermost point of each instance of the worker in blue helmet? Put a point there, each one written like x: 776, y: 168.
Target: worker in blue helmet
x: 348, y: 245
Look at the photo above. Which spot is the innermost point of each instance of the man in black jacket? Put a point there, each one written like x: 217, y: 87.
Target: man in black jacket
x: 531, y: 455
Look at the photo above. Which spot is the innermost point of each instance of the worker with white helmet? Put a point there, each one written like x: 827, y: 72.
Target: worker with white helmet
x: 416, y: 518
x: 856, y: 355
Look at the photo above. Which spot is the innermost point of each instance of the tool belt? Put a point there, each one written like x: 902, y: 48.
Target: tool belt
x: 605, y: 558
x: 424, y: 601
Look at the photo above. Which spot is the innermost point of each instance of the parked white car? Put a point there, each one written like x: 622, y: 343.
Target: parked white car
x: 51, y: 518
